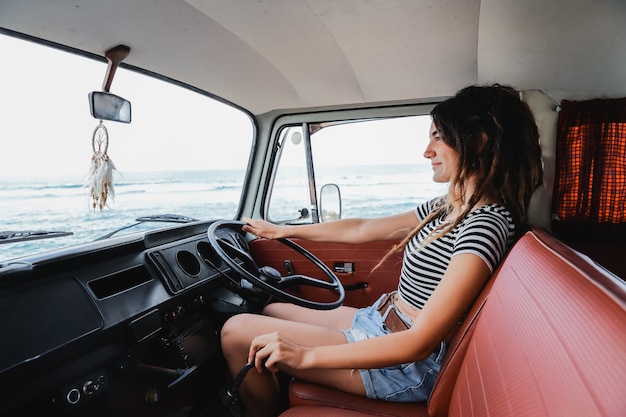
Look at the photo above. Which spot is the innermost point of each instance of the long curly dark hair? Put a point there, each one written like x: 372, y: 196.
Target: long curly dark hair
x: 497, y: 141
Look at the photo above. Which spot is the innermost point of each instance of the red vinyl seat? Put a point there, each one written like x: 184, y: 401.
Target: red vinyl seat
x: 546, y: 337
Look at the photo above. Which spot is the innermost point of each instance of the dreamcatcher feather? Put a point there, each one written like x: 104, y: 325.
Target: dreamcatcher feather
x: 100, y: 177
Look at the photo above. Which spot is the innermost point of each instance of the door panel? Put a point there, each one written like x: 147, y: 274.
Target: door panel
x: 357, y: 261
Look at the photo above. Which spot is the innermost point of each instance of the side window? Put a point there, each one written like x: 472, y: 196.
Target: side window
x: 378, y: 165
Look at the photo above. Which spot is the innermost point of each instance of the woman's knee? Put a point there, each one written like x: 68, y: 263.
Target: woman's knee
x: 237, y: 331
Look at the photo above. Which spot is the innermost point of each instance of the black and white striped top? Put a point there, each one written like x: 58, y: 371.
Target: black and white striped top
x: 487, y: 232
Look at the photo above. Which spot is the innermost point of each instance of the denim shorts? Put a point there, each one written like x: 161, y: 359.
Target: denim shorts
x: 409, y: 382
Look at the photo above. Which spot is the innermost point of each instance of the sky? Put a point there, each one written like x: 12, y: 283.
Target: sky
x: 46, y: 127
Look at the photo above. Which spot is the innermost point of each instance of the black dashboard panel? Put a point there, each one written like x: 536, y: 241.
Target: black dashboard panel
x: 80, y: 320
x: 51, y: 313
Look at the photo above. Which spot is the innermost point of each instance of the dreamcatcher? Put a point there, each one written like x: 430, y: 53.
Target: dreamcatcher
x: 100, y: 177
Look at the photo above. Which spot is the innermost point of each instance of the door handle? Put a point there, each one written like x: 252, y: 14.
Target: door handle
x: 344, y: 267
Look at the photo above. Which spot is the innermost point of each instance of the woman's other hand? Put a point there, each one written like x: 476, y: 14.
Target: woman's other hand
x: 272, y: 351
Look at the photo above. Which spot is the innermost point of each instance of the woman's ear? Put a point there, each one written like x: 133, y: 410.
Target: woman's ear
x: 475, y: 151
x: 478, y: 143
x: 482, y: 141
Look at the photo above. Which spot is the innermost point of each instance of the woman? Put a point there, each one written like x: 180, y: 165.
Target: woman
x: 485, y: 143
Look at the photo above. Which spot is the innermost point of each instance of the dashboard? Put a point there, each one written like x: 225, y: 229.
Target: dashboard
x: 83, y: 322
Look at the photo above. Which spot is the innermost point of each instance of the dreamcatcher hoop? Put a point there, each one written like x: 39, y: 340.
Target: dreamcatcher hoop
x: 100, y: 136
x: 100, y: 177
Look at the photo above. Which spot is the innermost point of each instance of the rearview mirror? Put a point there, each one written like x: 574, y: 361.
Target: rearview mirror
x: 107, y: 106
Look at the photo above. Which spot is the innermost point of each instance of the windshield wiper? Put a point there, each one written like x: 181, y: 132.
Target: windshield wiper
x: 165, y: 218
x: 168, y: 218
x: 18, y: 236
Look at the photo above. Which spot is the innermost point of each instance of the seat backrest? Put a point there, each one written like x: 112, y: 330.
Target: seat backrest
x: 439, y: 400
x: 549, y: 339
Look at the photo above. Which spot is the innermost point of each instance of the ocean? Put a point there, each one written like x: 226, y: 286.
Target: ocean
x: 62, y: 204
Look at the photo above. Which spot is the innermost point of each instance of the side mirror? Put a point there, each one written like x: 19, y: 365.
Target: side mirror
x: 330, y: 203
x: 107, y: 106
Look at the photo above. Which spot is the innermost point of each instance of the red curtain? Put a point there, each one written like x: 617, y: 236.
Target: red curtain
x: 590, y: 182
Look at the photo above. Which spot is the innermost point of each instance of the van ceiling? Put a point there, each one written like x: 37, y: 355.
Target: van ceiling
x: 279, y: 54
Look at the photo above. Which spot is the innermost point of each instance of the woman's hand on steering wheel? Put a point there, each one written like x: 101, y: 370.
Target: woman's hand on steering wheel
x: 261, y: 228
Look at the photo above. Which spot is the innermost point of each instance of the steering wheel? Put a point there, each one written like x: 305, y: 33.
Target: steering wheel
x: 268, y: 278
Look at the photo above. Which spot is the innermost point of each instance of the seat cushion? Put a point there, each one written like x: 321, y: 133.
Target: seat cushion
x: 321, y: 411
x: 305, y: 394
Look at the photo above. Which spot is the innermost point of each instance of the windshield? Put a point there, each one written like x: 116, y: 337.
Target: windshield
x: 183, y: 154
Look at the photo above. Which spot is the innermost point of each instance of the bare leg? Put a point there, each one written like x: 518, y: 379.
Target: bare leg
x: 259, y: 391
x: 339, y: 318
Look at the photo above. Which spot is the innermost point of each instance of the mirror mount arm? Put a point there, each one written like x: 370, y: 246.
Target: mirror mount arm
x: 115, y: 56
